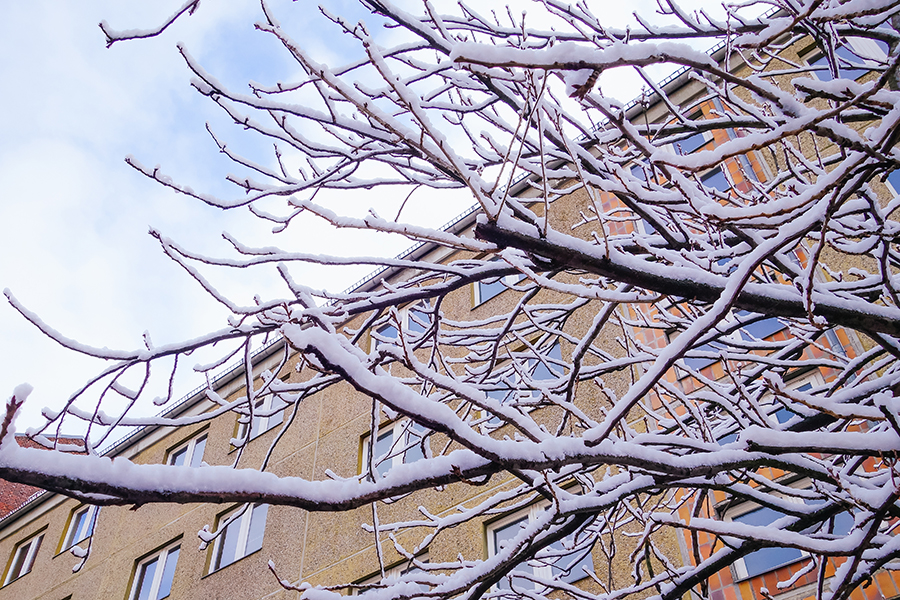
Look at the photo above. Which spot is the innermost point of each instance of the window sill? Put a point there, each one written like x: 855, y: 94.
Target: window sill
x: 220, y: 569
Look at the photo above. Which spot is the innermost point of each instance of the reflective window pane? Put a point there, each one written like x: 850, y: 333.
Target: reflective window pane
x: 383, y: 446
x: 690, y: 144
x: 168, y: 574
x: 177, y: 458
x: 387, y: 333
x: 197, y: 456
x: 571, y: 567
x: 766, y: 559
x: 257, y: 529
x: 146, y: 573
x: 501, y: 536
x: 716, y: 180
x: 17, y: 569
x: 847, y: 72
x: 228, y: 545
x: 414, y: 441
x: 419, y: 320
x: 80, y: 527
x: 489, y: 288
x: 543, y: 371
x: 894, y: 179
x: 243, y: 536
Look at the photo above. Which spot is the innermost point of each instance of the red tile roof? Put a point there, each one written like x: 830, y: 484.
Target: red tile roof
x: 14, y: 495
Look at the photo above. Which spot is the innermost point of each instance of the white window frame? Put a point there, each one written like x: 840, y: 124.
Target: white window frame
x: 740, y: 567
x: 406, y: 320
x: 71, y: 538
x: 243, y: 523
x: 743, y: 508
x: 531, y: 513
x: 893, y: 189
x: 769, y: 403
x: 394, y: 572
x: 161, y: 557
x: 189, y: 447
x: 813, y: 380
x: 27, y: 549
x: 259, y: 425
x: 695, y: 116
x: 508, y: 396
x: 508, y: 280
x: 397, y: 454
x: 864, y: 49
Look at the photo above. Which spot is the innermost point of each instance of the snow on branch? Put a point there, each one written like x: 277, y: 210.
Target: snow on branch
x: 666, y: 321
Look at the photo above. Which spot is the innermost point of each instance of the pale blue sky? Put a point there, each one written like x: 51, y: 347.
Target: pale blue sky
x: 74, y: 217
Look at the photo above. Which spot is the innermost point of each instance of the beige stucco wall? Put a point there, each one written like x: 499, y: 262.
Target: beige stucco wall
x: 323, y: 548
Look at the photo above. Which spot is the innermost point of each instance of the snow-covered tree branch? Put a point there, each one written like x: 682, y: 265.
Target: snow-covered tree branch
x: 687, y: 308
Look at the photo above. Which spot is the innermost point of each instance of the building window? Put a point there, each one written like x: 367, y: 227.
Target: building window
x: 845, y: 57
x: 893, y: 179
x: 690, y: 144
x: 701, y: 362
x: 154, y: 575
x: 536, y: 371
x: 400, y: 442
x: 758, y: 329
x: 81, y: 526
x: 700, y: 357
x: 393, y: 573
x: 776, y: 556
x: 503, y: 396
x: 387, y: 334
x: 488, y: 288
x: 23, y: 558
x: 856, y: 56
x: 190, y: 453
x: 559, y: 560
x: 268, y: 412
x: 638, y: 172
x: 543, y: 370
x: 416, y: 319
x: 776, y: 412
x: 716, y: 179
x: 242, y: 536
x: 766, y: 559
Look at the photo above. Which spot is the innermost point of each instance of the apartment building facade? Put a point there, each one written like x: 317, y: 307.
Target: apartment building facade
x: 57, y: 547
